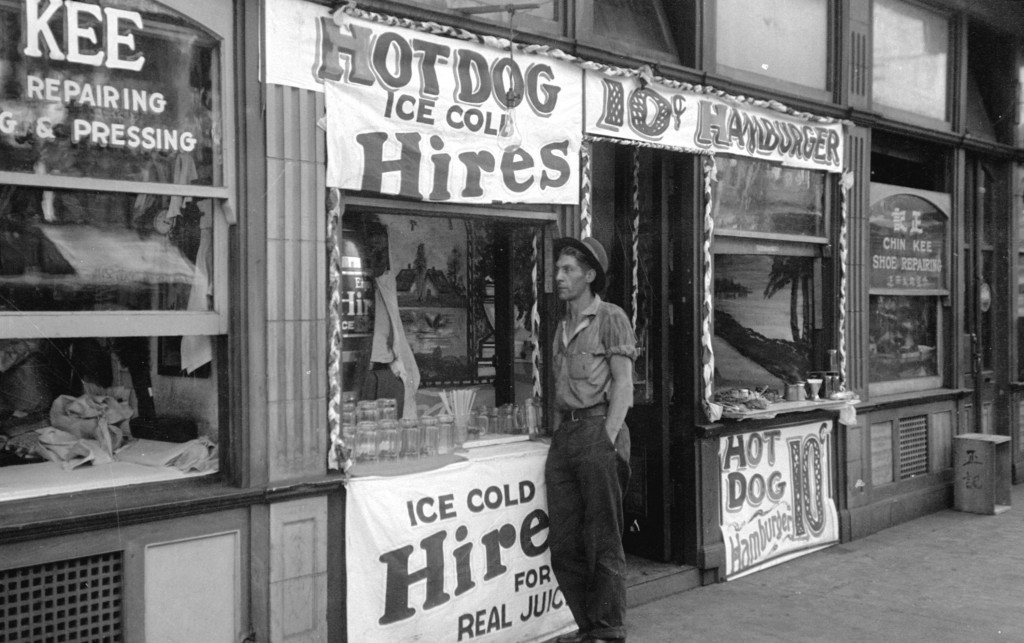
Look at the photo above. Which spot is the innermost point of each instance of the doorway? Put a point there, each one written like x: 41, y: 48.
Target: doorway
x: 987, y: 295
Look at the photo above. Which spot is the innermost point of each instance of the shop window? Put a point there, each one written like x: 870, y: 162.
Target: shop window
x: 545, y: 16
x: 636, y: 27
x: 463, y: 290
x: 113, y: 246
x: 145, y: 109
x: 792, y: 42
x: 990, y: 85
x: 908, y: 277
x: 768, y: 274
x: 910, y: 73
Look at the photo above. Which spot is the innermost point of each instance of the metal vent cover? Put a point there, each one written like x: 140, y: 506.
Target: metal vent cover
x: 913, y: 436
x: 68, y: 600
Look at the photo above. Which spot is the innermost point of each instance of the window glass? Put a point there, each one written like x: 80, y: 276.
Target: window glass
x: 909, y: 229
x: 911, y: 57
x: 631, y: 20
x: 791, y: 39
x: 908, y: 244
x: 758, y: 196
x: 130, y: 94
x: 903, y: 338
x: 633, y: 27
x: 107, y: 375
x: 67, y: 250
x: 460, y: 292
x: 763, y: 320
x: 547, y: 10
x: 143, y: 408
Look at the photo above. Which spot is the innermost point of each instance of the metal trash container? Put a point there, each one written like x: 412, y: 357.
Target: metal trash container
x: 982, y: 467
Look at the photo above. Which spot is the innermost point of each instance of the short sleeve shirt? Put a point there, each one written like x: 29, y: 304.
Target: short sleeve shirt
x: 583, y: 374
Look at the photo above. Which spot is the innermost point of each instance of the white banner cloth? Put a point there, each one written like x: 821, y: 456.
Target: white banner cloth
x: 624, y: 108
x: 419, y: 116
x: 776, y: 495
x: 455, y: 554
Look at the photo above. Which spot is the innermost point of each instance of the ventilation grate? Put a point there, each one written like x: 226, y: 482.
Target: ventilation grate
x: 913, y: 433
x: 69, y: 600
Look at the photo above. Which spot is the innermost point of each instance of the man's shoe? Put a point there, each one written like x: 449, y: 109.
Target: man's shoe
x: 596, y: 640
x: 575, y: 637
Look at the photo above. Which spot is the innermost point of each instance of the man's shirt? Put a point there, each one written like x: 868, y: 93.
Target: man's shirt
x: 583, y: 374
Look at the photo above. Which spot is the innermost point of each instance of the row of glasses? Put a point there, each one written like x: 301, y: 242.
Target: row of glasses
x: 375, y: 434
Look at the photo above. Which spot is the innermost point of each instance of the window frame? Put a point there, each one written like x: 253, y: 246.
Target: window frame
x: 585, y: 34
x: 940, y: 295
x: 712, y: 64
x: 907, y: 116
x: 814, y: 247
x: 218, y: 25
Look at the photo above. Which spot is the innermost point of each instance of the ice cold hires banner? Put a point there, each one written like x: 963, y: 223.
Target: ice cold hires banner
x: 456, y: 554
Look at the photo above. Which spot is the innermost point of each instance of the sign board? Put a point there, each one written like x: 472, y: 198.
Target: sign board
x: 438, y: 119
x: 625, y: 108
x: 455, y: 554
x: 114, y: 89
x: 776, y: 495
x: 908, y: 231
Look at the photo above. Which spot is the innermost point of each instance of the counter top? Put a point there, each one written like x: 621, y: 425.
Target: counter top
x: 369, y: 470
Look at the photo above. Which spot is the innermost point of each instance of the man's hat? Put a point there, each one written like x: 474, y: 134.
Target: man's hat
x: 595, y: 254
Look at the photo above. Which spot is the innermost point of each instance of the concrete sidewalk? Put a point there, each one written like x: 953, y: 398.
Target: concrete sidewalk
x: 949, y: 576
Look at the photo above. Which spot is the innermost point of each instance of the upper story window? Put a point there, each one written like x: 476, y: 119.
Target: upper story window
x: 113, y: 242
x: 781, y: 40
x: 910, y: 73
x: 547, y: 17
x: 635, y: 27
x: 991, y: 91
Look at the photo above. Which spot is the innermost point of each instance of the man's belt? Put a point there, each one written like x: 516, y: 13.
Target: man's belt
x: 574, y: 415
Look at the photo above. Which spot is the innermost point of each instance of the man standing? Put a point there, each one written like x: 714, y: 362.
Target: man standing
x: 588, y: 464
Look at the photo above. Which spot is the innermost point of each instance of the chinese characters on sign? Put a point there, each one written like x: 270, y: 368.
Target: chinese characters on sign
x: 908, y: 243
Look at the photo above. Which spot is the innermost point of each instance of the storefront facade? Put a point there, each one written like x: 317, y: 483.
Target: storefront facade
x: 184, y: 220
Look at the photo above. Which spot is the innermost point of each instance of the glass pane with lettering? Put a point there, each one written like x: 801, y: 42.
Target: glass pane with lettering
x: 126, y: 90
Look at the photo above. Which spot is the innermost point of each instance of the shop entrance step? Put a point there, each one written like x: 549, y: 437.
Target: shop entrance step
x: 648, y: 580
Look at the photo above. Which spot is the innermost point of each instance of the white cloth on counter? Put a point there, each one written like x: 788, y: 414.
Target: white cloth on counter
x: 199, y: 454
x: 71, y: 452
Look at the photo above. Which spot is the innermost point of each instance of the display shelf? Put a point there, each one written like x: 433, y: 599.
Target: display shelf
x: 790, y: 407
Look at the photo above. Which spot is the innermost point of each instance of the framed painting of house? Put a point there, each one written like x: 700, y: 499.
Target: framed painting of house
x: 442, y: 314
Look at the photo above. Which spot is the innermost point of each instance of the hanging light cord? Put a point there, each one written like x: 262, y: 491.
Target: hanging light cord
x: 510, y: 94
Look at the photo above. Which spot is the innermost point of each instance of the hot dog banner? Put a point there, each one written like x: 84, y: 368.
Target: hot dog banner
x: 776, y: 496
x: 437, y: 113
x: 633, y: 109
x: 455, y: 554
x: 436, y: 119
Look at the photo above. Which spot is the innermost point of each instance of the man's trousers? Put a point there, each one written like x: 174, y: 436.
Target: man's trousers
x: 586, y: 477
